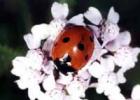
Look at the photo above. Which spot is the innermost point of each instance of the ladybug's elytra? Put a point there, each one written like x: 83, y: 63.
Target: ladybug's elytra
x: 72, y: 48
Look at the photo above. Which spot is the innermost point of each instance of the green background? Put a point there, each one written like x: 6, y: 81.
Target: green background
x: 17, y: 17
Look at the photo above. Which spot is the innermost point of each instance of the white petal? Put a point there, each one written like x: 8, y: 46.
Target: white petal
x: 113, y: 45
x: 36, y: 59
x: 33, y: 91
x: 40, y: 31
x: 96, y: 70
x: 47, y: 46
x: 124, y: 38
x: 136, y: 93
x: 112, y: 78
x: 49, y: 83
x: 21, y: 84
x: 49, y: 67
x: 31, y: 42
x: 59, y: 11
x: 96, y: 30
x: 77, y: 20
x: 108, y: 63
x: 55, y: 27
x: 84, y: 75
x: 121, y: 77
x: 117, y: 96
x: 64, y: 79
x: 76, y: 89
x: 101, y: 86
x: 135, y: 52
x: 110, y: 32
x: 113, y: 16
x: 57, y: 94
x: 98, y: 51
x: 93, y: 15
x: 123, y: 58
x: 43, y: 96
x: 19, y: 64
x: 111, y: 89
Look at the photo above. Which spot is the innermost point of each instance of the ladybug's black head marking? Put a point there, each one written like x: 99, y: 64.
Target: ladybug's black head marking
x: 63, y: 66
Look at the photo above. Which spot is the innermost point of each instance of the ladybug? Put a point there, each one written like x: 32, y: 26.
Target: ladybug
x: 72, y: 48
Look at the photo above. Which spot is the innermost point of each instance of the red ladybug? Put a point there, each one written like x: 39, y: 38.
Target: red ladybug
x: 72, y: 48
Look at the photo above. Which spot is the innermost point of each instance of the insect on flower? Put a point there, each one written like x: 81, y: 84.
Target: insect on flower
x: 73, y: 42
x: 64, y: 55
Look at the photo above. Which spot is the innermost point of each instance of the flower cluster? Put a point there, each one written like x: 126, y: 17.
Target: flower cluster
x: 39, y: 75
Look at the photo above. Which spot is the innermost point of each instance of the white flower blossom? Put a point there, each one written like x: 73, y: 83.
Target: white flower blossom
x: 121, y: 54
x: 112, y: 49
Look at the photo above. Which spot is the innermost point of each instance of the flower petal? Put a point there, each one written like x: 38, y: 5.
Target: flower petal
x: 110, y: 32
x: 35, y: 59
x: 76, y: 89
x: 123, y: 57
x: 136, y: 93
x: 77, y: 20
x: 59, y: 11
x: 55, y: 27
x: 31, y: 42
x: 113, y: 16
x: 121, y: 77
x: 41, y: 31
x: 21, y: 84
x: 113, y: 45
x: 49, y: 83
x: 124, y: 38
x: 117, y: 96
x: 64, y: 79
x: 96, y: 70
x: 93, y: 15
x: 98, y: 51
x: 135, y: 52
x: 19, y: 64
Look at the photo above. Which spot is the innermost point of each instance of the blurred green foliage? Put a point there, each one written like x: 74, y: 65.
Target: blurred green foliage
x: 17, y: 17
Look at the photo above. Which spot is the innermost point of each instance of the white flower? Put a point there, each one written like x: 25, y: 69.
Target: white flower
x: 65, y: 79
x: 57, y: 94
x: 124, y: 57
x: 57, y: 8
x: 93, y: 15
x: 123, y: 39
x: 104, y: 67
x: 75, y: 89
x: 38, y: 73
x: 110, y: 29
x: 49, y: 82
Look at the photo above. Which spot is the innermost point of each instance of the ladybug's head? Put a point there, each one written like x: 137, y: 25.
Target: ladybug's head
x: 64, y: 64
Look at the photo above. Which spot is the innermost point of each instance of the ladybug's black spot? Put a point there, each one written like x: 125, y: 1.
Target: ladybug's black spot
x: 91, y: 38
x: 81, y: 46
x: 86, y: 57
x: 66, y: 39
